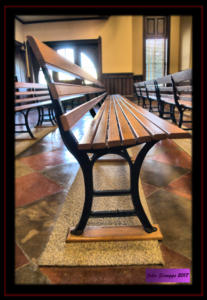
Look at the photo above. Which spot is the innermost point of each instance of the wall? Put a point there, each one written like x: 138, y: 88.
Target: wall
x: 122, y: 40
x: 174, y: 44
x: 137, y: 45
x: 185, y: 42
x: 116, y: 33
x: 117, y: 45
x: 19, y: 31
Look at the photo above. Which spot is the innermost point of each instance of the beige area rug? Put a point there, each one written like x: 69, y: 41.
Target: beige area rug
x: 23, y: 141
x: 107, y: 175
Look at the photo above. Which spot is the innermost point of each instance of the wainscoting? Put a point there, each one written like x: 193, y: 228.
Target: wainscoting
x: 118, y: 83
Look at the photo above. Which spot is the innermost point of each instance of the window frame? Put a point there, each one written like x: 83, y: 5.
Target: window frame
x: 78, y: 46
x: 145, y: 36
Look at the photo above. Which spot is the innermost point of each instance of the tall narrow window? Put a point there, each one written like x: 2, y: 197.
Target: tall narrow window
x: 155, y: 46
x: 156, y: 58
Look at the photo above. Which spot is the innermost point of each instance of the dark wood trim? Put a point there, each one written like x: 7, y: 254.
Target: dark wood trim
x: 117, y: 74
x: 18, y: 19
x: 63, y: 20
x: 138, y: 78
x: 100, y: 57
x: 118, y: 83
x: 168, y: 45
x: 143, y: 48
x: 62, y: 43
x: 19, y: 45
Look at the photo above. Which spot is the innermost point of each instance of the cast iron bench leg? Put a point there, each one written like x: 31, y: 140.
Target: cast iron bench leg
x: 172, y: 113
x: 88, y: 180
x: 135, y: 172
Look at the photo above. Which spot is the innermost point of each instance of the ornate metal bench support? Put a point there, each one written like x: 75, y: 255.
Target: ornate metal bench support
x: 135, y: 172
x: 25, y: 114
x: 87, y: 168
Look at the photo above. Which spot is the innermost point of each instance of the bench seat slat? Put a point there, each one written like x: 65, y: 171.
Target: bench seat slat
x: 87, y: 139
x: 142, y: 135
x: 113, y: 130
x: 154, y: 131
x: 172, y: 130
x: 185, y: 103
x: 168, y: 99
x: 127, y: 135
x: 101, y: 133
x: 152, y: 97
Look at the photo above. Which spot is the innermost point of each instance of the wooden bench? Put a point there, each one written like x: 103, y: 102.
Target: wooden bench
x: 118, y: 125
x: 174, y: 90
x: 29, y: 96
x: 140, y: 91
x: 145, y: 90
x: 182, y: 88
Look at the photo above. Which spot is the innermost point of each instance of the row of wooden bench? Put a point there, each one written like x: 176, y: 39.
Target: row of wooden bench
x: 30, y: 96
x: 35, y: 96
x: 168, y: 92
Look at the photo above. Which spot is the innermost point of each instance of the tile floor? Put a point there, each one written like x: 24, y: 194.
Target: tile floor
x: 44, y: 174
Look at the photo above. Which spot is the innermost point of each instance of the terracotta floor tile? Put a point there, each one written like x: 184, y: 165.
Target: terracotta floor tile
x: 173, y: 155
x: 30, y: 275
x: 96, y: 275
x: 173, y: 259
x: 34, y: 223
x: 32, y: 187
x: 62, y: 174
x: 20, y: 258
x: 21, y: 169
x: 50, y: 142
x: 47, y: 159
x: 182, y: 186
x: 173, y: 213
x: 126, y: 275
x: 160, y: 174
x: 148, y: 188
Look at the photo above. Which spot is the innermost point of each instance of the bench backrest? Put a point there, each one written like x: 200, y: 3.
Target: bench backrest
x: 182, y: 83
x: 26, y: 92
x: 50, y: 59
x: 174, y: 84
x: 47, y: 59
x: 177, y: 86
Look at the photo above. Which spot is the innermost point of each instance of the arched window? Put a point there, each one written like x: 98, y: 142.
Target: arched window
x: 41, y: 77
x: 88, y: 66
x: 86, y: 63
x: 67, y: 53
